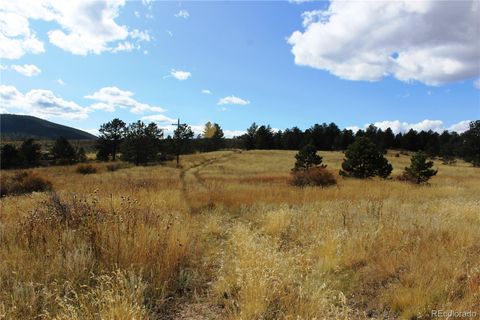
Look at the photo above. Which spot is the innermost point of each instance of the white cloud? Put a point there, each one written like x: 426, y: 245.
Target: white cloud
x: 16, y: 38
x: 60, y: 82
x: 180, y: 75
x: 206, y: 91
x: 429, y: 41
x: 27, y: 70
x: 125, y: 46
x: 425, y: 125
x: 109, y: 98
x: 461, y: 126
x: 182, y: 14
x: 85, y: 26
x: 159, y: 118
x: 40, y: 103
x: 140, y: 35
x: 232, y: 100
x: 3, y: 67
x: 137, y: 14
x: 476, y: 84
x: 233, y: 133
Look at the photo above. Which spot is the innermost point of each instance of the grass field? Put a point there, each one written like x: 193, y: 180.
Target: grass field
x: 226, y: 237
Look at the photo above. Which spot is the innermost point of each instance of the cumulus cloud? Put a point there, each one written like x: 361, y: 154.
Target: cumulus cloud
x: 85, y: 27
x: 425, y: 125
x: 233, y: 133
x: 180, y: 75
x: 182, y: 14
x: 232, y: 100
x: 429, y: 41
x: 40, y: 103
x: 109, y: 98
x: 60, y: 82
x: 206, y: 91
x: 158, y: 118
x: 27, y: 70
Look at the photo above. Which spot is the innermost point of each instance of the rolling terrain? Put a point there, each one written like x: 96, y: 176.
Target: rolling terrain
x: 227, y: 237
x: 19, y: 127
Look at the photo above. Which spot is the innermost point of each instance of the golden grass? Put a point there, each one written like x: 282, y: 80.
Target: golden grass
x: 227, y: 237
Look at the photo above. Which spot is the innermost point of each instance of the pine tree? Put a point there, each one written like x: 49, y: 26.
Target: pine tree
x: 420, y: 170
x: 307, y: 158
x: 63, y: 151
x: 364, y: 160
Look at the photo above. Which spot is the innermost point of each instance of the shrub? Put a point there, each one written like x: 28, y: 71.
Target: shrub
x: 316, y: 176
x: 420, y: 170
x: 117, y: 166
x: 23, y: 182
x: 86, y: 169
x: 364, y: 160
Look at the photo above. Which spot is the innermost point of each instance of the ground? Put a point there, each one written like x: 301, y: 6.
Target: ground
x: 227, y: 237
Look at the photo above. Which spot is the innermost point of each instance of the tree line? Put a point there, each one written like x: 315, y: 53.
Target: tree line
x: 447, y: 145
x: 142, y: 143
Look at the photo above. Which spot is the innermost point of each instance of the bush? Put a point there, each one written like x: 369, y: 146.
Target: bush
x: 23, y: 182
x: 316, y: 176
x: 86, y: 169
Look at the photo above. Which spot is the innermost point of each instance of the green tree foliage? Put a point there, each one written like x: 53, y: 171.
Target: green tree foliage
x: 307, y: 158
x: 264, y: 138
x: 63, y: 152
x: 30, y: 153
x: 110, y: 139
x: 420, y: 170
x: 141, y: 143
x: 182, y: 134
x: 364, y: 160
x: 250, y: 136
x: 9, y: 157
x: 471, y: 144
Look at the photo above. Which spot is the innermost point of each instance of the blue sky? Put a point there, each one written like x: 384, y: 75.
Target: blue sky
x: 239, y: 62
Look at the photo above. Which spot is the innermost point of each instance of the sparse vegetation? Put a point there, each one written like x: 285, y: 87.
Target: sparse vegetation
x: 85, y: 169
x: 226, y: 237
x: 23, y: 182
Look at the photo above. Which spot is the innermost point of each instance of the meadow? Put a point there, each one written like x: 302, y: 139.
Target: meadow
x: 227, y: 237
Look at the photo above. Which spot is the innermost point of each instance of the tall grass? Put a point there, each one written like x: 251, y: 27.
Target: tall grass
x: 228, y: 237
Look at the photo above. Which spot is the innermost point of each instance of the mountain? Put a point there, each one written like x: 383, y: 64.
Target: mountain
x: 18, y: 127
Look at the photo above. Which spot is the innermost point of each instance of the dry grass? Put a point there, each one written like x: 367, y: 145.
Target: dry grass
x: 227, y: 237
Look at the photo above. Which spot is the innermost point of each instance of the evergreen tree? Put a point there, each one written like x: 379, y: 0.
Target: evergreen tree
x: 141, y: 143
x: 364, y: 160
x: 470, y: 150
x: 63, y: 152
x: 250, y: 137
x: 307, y: 158
x: 420, y: 170
x: 111, y: 135
x: 9, y: 157
x: 30, y: 153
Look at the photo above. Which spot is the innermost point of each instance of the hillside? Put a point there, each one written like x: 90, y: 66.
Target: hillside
x: 17, y: 127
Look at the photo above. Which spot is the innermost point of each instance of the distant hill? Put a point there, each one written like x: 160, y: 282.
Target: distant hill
x: 18, y: 127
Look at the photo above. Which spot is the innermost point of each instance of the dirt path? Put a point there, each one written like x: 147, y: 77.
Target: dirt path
x: 198, y: 181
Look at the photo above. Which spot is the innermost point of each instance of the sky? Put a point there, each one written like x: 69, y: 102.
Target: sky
x: 398, y: 64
